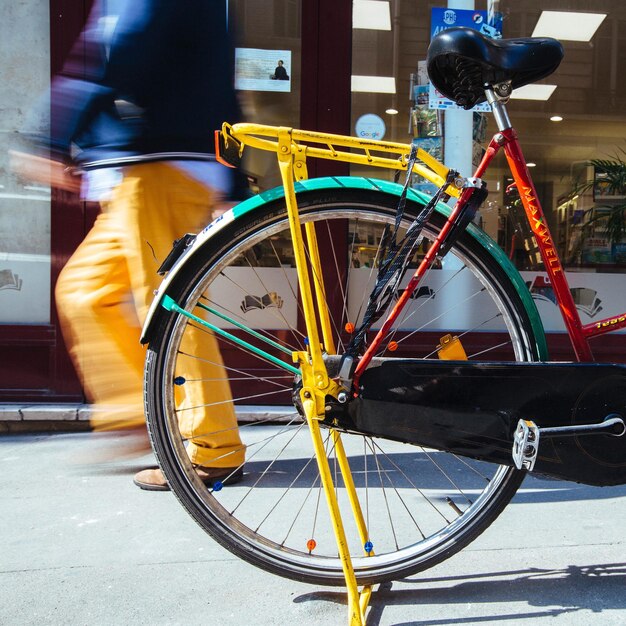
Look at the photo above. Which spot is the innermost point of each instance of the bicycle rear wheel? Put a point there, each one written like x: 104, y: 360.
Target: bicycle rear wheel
x: 420, y: 505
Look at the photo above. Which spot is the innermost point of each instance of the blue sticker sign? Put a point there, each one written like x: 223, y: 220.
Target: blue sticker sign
x: 370, y: 126
x: 441, y: 19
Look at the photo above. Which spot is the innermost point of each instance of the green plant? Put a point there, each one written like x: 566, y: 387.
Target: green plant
x: 609, y: 186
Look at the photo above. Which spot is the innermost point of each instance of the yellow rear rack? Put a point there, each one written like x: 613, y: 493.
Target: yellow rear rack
x: 306, y: 143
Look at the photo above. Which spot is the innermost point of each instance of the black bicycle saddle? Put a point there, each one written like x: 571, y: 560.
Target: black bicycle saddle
x: 461, y: 62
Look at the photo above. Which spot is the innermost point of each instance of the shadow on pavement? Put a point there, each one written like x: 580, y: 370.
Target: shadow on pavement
x: 112, y: 453
x: 593, y: 588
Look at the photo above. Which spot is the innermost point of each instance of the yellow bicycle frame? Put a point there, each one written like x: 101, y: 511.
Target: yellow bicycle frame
x: 292, y: 147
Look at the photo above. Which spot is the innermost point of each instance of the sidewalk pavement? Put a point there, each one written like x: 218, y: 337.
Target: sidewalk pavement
x: 80, y: 544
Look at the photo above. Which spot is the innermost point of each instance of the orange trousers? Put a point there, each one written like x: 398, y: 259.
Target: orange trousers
x: 103, y: 295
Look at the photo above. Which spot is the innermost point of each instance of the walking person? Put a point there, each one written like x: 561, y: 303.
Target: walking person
x: 138, y: 118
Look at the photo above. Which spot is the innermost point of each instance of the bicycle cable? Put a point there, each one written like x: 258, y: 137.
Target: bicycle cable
x: 395, y: 256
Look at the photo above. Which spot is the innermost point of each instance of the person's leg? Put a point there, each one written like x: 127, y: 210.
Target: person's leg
x: 98, y: 321
x: 158, y: 204
x: 101, y: 320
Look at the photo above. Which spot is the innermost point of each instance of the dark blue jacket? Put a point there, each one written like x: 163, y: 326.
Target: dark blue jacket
x: 156, y: 84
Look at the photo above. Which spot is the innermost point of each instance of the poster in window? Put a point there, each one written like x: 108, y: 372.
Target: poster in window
x: 262, y: 70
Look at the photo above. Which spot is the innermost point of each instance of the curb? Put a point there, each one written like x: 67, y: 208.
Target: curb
x: 74, y: 416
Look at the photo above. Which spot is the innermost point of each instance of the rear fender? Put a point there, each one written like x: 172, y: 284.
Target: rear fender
x: 329, y: 183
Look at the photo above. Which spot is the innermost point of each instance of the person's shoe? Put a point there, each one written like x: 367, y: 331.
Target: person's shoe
x: 152, y: 479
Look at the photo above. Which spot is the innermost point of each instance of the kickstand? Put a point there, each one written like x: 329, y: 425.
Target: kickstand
x: 357, y: 600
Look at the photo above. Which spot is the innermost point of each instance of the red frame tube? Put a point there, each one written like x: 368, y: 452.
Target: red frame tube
x: 547, y: 249
x: 578, y: 333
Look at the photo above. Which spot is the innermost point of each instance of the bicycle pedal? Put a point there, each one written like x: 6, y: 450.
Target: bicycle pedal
x: 525, y: 445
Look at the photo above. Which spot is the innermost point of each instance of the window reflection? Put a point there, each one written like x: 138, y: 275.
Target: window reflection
x: 266, y: 32
x: 587, y: 107
x: 24, y: 206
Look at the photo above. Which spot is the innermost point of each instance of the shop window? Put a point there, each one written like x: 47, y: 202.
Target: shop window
x: 24, y: 206
x: 580, y: 123
x: 267, y: 36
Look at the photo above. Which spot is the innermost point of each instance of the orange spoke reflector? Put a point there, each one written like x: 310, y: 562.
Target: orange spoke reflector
x: 393, y: 346
x: 310, y: 544
x: 349, y: 328
x: 451, y: 349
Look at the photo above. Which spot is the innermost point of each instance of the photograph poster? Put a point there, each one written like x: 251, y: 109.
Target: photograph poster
x: 262, y: 70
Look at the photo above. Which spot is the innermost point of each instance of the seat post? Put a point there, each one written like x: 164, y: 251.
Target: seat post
x: 498, y: 106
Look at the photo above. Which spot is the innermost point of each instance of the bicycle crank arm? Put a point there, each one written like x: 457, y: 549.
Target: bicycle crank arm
x: 613, y: 424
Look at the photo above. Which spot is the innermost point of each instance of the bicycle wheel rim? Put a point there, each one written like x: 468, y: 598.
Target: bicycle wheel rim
x: 256, y: 547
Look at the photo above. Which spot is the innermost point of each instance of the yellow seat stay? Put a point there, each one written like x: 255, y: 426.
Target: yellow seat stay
x: 340, y: 148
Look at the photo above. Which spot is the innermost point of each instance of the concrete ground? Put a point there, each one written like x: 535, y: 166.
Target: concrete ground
x: 80, y: 544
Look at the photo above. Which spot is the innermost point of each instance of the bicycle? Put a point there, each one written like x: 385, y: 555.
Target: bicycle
x: 366, y: 307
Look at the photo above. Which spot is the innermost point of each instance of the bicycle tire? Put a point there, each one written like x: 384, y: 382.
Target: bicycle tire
x: 233, y: 515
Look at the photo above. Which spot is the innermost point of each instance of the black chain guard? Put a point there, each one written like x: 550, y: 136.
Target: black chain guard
x: 472, y: 409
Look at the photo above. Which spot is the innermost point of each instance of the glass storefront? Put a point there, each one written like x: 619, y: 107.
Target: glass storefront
x: 40, y: 228
x: 292, y: 69
x: 571, y: 129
